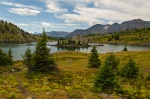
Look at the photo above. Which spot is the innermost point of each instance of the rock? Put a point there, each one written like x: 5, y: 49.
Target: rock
x: 31, y: 97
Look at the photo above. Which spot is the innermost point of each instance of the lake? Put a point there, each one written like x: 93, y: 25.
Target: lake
x: 19, y: 49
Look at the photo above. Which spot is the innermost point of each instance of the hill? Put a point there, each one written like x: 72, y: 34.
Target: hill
x: 10, y: 32
x: 139, y: 36
x: 98, y: 28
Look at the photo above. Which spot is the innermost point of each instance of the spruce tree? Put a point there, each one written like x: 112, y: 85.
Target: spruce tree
x: 125, y: 49
x: 10, y: 56
x: 130, y: 70
x: 106, y: 79
x: 5, y: 59
x: 27, y: 60
x: 94, y: 61
x: 42, y: 60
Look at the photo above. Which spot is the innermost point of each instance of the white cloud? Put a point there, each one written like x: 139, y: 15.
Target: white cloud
x: 21, y: 9
x: 22, y: 24
x: 20, y: 5
x: 54, y: 6
x: 110, y: 11
x: 94, y: 21
x: 46, y: 24
x: 24, y: 11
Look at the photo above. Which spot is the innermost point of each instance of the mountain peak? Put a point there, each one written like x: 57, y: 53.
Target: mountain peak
x: 137, y: 20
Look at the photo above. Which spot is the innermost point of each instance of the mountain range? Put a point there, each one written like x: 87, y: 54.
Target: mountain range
x: 55, y: 34
x: 98, y: 28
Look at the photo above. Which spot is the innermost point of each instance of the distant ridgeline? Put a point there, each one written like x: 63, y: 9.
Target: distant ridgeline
x: 108, y: 28
x: 11, y: 33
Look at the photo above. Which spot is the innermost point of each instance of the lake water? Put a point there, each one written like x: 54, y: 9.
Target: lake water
x: 19, y: 49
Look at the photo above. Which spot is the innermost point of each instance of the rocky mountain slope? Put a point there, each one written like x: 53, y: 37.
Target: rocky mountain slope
x: 98, y: 28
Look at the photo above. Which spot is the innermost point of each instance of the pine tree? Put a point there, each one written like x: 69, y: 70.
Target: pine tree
x: 27, y: 60
x: 58, y: 42
x: 42, y: 60
x: 130, y: 70
x: 5, y: 59
x: 94, y: 61
x: 106, y: 79
x: 125, y: 49
x: 10, y: 56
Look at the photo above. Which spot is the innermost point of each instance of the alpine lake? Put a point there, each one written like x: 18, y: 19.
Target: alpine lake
x: 19, y: 49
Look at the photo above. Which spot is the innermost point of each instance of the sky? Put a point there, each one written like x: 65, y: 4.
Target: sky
x: 68, y: 15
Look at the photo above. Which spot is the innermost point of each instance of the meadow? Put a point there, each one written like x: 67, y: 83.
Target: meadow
x: 73, y: 80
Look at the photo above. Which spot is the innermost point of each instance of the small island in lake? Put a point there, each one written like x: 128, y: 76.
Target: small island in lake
x: 73, y: 43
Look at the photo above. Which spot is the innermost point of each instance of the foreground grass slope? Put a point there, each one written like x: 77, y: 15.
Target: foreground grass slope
x: 73, y: 80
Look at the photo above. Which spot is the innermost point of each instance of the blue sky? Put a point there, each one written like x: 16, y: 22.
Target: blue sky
x: 68, y: 15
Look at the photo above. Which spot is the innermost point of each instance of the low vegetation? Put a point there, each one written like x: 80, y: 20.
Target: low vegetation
x: 74, y: 79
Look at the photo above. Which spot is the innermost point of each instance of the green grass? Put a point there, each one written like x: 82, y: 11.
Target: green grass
x: 72, y: 80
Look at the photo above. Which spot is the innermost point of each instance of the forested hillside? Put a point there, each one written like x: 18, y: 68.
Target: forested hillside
x: 129, y: 36
x: 10, y: 32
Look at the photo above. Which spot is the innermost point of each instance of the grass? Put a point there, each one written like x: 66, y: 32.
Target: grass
x: 73, y: 80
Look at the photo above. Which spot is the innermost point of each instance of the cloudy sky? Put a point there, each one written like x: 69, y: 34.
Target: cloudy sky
x: 68, y: 15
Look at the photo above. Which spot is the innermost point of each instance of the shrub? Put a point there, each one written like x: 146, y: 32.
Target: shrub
x: 148, y: 77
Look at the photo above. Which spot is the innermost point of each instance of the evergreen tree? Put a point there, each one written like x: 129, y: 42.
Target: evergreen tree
x: 130, y: 70
x: 125, y: 49
x: 10, y: 56
x: 5, y: 59
x: 106, y: 79
x: 79, y: 42
x: 42, y: 61
x: 58, y: 42
x: 94, y: 61
x: 27, y: 60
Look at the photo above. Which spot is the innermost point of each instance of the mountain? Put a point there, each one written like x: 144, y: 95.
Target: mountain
x: 57, y: 34
x: 10, y: 32
x: 98, y: 28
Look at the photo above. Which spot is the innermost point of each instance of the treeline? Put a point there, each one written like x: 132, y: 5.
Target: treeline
x: 10, y: 32
x: 71, y: 42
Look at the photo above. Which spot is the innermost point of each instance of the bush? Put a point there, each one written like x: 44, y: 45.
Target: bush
x: 148, y: 77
